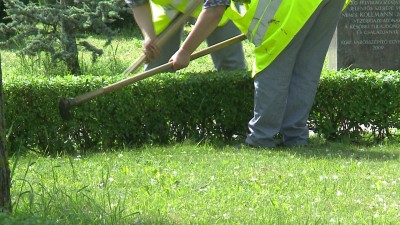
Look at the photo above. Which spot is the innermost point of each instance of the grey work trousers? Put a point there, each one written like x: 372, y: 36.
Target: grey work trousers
x: 228, y: 58
x: 285, y: 90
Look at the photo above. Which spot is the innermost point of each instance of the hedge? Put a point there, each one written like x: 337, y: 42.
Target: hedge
x: 172, y: 107
x: 357, y: 102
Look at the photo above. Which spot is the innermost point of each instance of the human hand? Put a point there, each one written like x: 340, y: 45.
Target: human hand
x: 180, y: 59
x: 151, y: 50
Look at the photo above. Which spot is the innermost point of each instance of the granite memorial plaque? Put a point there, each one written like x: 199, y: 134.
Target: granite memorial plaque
x: 367, y: 36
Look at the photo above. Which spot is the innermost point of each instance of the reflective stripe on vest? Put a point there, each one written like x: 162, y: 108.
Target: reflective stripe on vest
x: 262, y: 18
x: 271, y: 25
x: 279, y: 22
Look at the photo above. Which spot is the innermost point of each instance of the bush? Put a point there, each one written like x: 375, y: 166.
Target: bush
x: 173, y: 107
x: 355, y: 102
x: 170, y: 107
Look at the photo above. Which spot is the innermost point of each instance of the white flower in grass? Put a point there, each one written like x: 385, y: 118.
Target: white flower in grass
x: 316, y: 200
x: 253, y: 179
x: 323, y: 177
x: 339, y: 193
x: 120, y: 155
x: 212, y: 178
x: 376, y: 215
x: 373, y: 205
x: 110, y: 179
x: 226, y: 216
x: 332, y: 220
x: 385, y: 207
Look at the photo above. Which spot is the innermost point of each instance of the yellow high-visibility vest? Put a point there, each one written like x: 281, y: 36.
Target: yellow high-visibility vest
x: 271, y: 25
x: 164, y: 11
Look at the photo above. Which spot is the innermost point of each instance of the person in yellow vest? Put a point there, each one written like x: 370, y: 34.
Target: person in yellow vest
x: 154, y: 16
x: 291, y: 39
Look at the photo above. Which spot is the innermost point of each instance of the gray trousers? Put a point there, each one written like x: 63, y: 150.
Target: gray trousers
x: 228, y: 58
x: 285, y: 90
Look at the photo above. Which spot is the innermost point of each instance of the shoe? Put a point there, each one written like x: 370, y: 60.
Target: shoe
x: 280, y: 145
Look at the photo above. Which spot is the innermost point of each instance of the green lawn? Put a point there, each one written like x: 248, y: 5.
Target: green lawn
x: 324, y: 183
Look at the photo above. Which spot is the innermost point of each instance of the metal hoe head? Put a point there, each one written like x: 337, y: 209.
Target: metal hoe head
x: 64, y: 106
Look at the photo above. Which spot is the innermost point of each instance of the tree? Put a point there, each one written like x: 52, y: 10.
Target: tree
x: 5, y: 199
x: 55, y: 26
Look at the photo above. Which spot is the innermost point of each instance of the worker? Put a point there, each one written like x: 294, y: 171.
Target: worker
x: 291, y: 39
x: 154, y: 17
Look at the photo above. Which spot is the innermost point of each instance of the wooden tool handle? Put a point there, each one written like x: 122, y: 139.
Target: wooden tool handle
x: 90, y: 95
x: 181, y: 19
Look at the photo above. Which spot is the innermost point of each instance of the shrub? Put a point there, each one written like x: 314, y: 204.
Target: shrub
x: 168, y: 108
x: 356, y: 102
x: 172, y: 107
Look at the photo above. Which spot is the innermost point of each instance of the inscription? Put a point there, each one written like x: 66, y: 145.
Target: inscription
x: 372, y: 20
x: 368, y: 36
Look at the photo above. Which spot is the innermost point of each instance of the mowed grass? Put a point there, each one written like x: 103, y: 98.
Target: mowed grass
x: 323, y: 183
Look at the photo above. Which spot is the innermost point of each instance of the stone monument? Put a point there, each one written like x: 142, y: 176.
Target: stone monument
x: 367, y: 36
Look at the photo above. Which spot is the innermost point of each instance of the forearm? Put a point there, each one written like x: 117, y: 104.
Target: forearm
x: 206, y: 23
x: 143, y: 18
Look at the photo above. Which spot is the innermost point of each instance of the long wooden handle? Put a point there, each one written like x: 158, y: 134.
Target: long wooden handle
x: 90, y: 95
x: 167, y: 33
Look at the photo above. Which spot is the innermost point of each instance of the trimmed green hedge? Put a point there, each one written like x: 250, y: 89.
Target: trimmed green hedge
x: 355, y: 102
x: 173, y: 107
x: 159, y: 109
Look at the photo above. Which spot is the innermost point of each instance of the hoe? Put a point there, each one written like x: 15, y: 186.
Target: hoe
x: 65, y: 104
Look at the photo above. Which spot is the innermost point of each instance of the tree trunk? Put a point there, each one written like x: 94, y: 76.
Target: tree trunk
x: 5, y: 197
x: 69, y: 42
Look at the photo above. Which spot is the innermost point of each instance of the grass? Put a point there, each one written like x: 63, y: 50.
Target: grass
x: 324, y: 183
